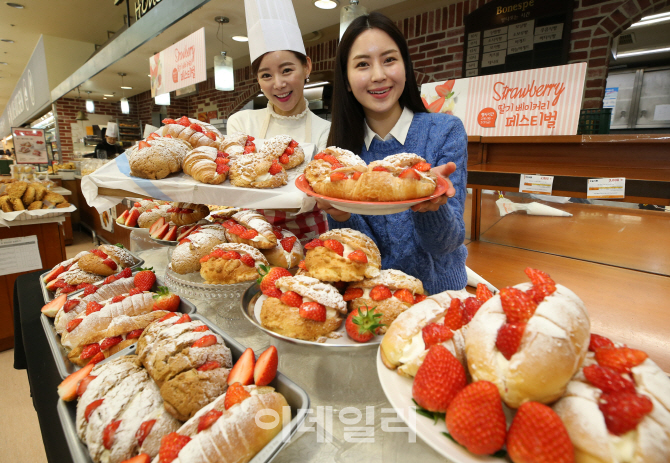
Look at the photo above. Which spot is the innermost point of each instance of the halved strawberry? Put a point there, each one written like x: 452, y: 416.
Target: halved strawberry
x: 410, y: 173
x: 607, y: 380
x: 243, y: 370
x: 277, y: 232
x: 205, y: 341
x: 67, y: 389
x: 337, y: 176
x: 199, y: 329
x: 222, y: 169
x: 169, y: 121
x: 166, y: 316
x: 266, y: 367
x: 275, y: 168
x: 97, y: 358
x: 50, y: 309
x: 483, y: 293
x: 380, y: 293
x: 472, y: 305
x: 357, y: 175
x: 454, y: 316
x: 211, y: 365
x: 247, y: 260
x: 211, y: 135
x: 234, y: 395
x: 288, y: 242
x: 249, y: 234
x: 380, y: 169
x: 313, y: 311
x: 116, y: 299
x: 110, y: 263
x: 284, y: 158
x: 208, y: 419
x: 421, y: 166
x: 302, y: 265
x: 404, y: 295
x: 291, y: 299
x: 352, y: 293
x: 72, y: 324
x: 184, y: 121
x: 83, y: 384
x: 517, y: 305
x: 135, y: 334
x: 237, y: 229
x: 106, y: 281
x: 89, y: 351
x: 135, y: 291
x: 71, y: 304
x: 109, y: 432
x: 93, y: 307
x: 90, y: 408
x: 110, y: 342
x: 186, y: 318
x: 620, y: 359
x: 53, y: 274
x: 315, y: 243
x: 196, y: 127
x: 143, y: 145
x: 623, y: 411
x: 509, y: 337
x: 334, y: 246
x: 358, y: 256
x: 171, y: 445
x: 143, y: 431
x: 133, y: 215
x: 435, y: 333
x: 231, y: 255
x: 89, y: 290
x: 598, y: 342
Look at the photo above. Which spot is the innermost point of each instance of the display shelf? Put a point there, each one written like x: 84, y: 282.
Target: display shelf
x: 130, y: 130
x: 625, y: 305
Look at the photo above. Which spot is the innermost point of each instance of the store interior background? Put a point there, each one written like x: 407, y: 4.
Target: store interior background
x: 602, y: 34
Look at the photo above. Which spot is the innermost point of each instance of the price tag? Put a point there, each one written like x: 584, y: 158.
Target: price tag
x: 606, y: 188
x: 536, y: 184
x: 19, y: 255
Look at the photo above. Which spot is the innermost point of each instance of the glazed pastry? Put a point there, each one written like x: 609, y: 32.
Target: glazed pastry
x: 120, y: 401
x: 553, y: 341
x: 595, y: 414
x: 391, y: 293
x: 157, y: 158
x: 288, y: 253
x: 207, y: 164
x: 186, y: 256
x: 187, y: 213
x: 231, y: 263
x: 342, y: 254
x: 249, y: 227
x: 196, y: 133
x: 308, y: 309
x: 174, y: 350
x: 257, y: 172
x: 286, y: 150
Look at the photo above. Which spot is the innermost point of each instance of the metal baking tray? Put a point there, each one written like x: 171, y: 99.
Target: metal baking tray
x: 296, y: 397
x: 65, y: 367
x: 49, y: 295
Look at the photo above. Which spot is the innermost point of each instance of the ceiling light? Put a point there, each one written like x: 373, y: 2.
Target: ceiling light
x: 16, y: 5
x: 6, y: 40
x: 125, y: 106
x: 316, y: 84
x: 108, y: 95
x: 326, y: 4
x: 127, y: 88
x: 240, y: 38
x: 90, y: 106
x: 642, y: 52
x: 654, y: 19
x: 163, y: 99
x: 104, y: 98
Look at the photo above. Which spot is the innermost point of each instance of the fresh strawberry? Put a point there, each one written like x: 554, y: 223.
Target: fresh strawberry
x: 266, y: 367
x: 185, y: 240
x: 97, y: 358
x: 144, y: 279
x: 217, y: 253
x: 249, y: 234
x: 67, y: 289
x: 358, y: 256
x: 119, y: 298
x: 313, y: 311
x: 380, y: 169
x: 483, y: 293
x: 171, y: 445
x: 221, y: 161
x: 110, y: 342
x: 268, y: 277
x: 421, y: 166
x: 184, y: 121
x: 166, y: 316
x: 165, y: 300
x: 51, y: 308
x: 315, y: 243
x: 404, y: 295
x: 93, y: 307
x: 275, y: 168
x: 231, y: 255
x: 110, y: 263
x: 334, y: 246
x: 537, y: 435
x: 143, y: 431
x: 196, y: 127
x: 247, y: 260
x: 71, y: 304
x: 243, y: 370
x: 135, y: 334
x: 67, y: 389
x: 208, y: 419
x: 320, y: 155
x: 234, y: 395
x: 517, y: 305
x: 291, y: 298
x: 330, y: 159
x: 83, y: 385
x: 53, y: 274
x: 108, y: 433
x: 125, y: 273
x: 410, y: 173
x: 169, y: 121
x: 293, y: 144
x: 284, y: 158
x: 352, y: 293
x: 133, y: 215
x: 200, y: 329
x: 454, y: 316
x: 620, y: 359
x: 599, y: 342
x: 288, y: 242
x: 337, y: 176
x: 134, y: 291
x: 608, y: 380
x: 302, y: 265
x: 72, y: 324
x: 186, y: 318
x: 89, y: 290
x: 543, y: 285
x: 289, y: 151
x: 476, y: 420
x: 211, y: 365
x: 623, y: 411
x: 90, y: 408
x: 509, y: 338
x: 211, y: 135
x: 439, y: 378
x: 56, y: 284
x: 277, y: 232
x: 106, y: 281
x: 419, y: 297
x: 380, y: 293
x: 143, y: 145
x: 357, y: 175
x: 141, y: 458
x: 89, y: 351
x: 237, y: 229
x: 435, y: 333
x: 363, y: 323
x: 472, y: 305
x: 205, y: 341
x: 249, y: 148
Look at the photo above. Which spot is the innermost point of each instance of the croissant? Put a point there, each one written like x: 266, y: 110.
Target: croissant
x: 195, y: 132
x: 206, y: 164
x: 239, y: 140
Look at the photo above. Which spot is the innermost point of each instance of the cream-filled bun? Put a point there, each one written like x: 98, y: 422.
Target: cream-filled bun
x: 252, y: 171
x: 284, y: 149
x: 326, y: 264
x: 319, y: 169
x: 287, y: 253
x: 252, y: 229
x: 230, y: 263
x: 552, y: 348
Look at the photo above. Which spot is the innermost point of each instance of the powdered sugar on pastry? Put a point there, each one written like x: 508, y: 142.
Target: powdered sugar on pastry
x: 244, y: 249
x: 323, y: 293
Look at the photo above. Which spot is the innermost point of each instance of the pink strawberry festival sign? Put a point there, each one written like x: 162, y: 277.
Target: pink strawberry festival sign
x: 179, y: 65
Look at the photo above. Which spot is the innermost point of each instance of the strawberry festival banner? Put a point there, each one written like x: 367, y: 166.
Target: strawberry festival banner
x: 543, y: 101
x: 180, y: 65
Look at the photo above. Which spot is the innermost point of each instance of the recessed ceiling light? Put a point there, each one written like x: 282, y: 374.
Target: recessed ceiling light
x: 240, y: 38
x: 6, y: 40
x: 127, y: 88
x: 326, y: 4
x: 104, y: 98
x: 109, y: 95
x: 15, y: 5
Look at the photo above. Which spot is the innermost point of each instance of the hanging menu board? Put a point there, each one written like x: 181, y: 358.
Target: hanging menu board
x: 512, y: 35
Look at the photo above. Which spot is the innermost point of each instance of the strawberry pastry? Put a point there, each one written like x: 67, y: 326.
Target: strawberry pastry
x: 251, y: 228
x: 231, y: 263
x: 302, y: 307
x: 285, y: 149
x: 254, y: 171
x: 289, y: 251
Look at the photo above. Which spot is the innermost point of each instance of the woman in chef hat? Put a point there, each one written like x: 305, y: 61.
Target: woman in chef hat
x: 279, y: 62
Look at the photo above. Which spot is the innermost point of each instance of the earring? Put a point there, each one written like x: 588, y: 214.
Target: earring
x: 307, y: 79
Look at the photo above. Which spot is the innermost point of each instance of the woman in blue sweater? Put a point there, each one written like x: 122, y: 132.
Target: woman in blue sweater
x: 377, y: 111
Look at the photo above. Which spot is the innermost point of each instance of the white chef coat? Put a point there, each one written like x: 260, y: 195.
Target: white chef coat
x: 265, y: 123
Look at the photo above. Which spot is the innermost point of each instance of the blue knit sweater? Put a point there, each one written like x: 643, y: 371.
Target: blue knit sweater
x: 427, y: 245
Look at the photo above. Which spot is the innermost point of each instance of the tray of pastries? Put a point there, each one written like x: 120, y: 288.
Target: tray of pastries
x: 92, y: 267
x: 27, y: 200
x: 99, y: 321
x: 187, y: 393
x: 520, y: 377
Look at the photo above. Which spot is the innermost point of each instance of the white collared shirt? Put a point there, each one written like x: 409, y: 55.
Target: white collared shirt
x: 399, y: 130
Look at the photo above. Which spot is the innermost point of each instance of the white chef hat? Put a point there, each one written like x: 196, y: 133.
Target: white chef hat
x: 112, y: 130
x: 272, y: 26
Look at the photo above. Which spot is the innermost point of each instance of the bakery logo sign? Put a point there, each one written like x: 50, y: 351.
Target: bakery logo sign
x: 543, y: 101
x: 180, y: 65
x: 142, y: 7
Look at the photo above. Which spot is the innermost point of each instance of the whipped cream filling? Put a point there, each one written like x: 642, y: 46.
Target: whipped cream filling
x: 366, y: 294
x: 413, y: 349
x: 263, y: 178
x: 624, y: 446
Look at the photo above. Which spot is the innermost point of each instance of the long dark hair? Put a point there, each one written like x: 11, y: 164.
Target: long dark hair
x: 347, y: 129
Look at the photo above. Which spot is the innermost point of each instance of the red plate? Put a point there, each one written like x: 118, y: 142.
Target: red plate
x: 371, y: 207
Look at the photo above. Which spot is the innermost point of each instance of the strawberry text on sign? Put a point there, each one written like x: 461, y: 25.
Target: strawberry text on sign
x: 536, y: 184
